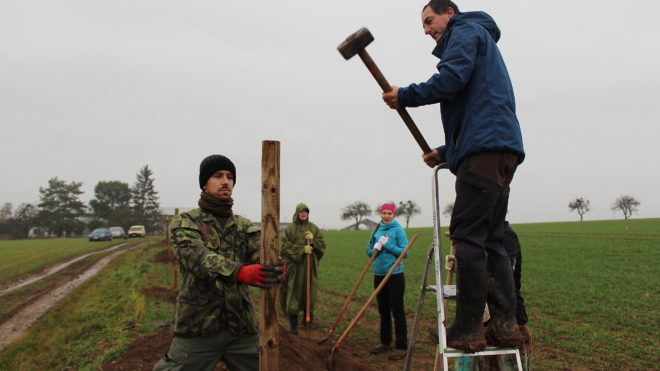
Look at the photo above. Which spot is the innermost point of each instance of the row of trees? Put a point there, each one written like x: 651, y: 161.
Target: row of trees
x: 359, y: 210
x: 60, y: 212
x: 628, y: 205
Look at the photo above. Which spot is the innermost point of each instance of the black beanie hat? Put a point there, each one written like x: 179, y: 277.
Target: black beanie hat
x: 213, y: 164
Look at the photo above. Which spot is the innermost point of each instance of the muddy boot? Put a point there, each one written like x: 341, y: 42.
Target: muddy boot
x: 293, y: 324
x: 465, y: 333
x: 526, y: 334
x: 503, y: 330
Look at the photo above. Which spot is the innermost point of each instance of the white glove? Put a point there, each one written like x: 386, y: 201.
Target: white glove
x: 378, y: 246
x: 383, y: 239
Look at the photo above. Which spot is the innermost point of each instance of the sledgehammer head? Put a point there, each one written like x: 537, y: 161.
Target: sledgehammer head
x: 356, y: 42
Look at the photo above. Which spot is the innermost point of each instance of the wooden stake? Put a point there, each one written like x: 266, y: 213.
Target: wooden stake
x: 175, y: 266
x: 269, y: 336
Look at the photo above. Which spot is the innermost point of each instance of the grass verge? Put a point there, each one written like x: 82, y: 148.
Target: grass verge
x: 94, y: 324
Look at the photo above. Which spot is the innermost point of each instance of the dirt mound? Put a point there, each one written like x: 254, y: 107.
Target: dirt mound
x: 297, y: 353
x: 161, y: 293
x: 165, y: 256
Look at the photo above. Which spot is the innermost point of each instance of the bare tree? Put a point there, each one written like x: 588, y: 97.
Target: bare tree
x: 357, y: 210
x: 26, y: 217
x: 6, y: 211
x: 448, y: 209
x: 627, y: 204
x: 580, y: 205
x: 407, y: 209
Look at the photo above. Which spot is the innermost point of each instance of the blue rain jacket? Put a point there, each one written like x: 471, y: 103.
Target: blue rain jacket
x: 391, y: 251
x: 473, y: 88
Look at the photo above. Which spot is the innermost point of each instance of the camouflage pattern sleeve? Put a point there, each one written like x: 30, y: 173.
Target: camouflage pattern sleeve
x: 253, y: 241
x: 195, y: 255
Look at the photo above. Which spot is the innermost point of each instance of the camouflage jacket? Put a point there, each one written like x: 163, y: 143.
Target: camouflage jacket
x: 209, y: 257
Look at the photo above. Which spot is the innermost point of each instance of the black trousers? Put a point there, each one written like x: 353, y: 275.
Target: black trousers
x: 390, y: 304
x: 513, y: 249
x: 482, y: 198
x: 521, y: 312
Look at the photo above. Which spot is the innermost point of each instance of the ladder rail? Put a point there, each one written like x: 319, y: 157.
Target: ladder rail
x: 418, y: 312
x: 435, y: 251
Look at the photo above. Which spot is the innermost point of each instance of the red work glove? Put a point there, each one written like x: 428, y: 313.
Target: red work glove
x: 263, y: 276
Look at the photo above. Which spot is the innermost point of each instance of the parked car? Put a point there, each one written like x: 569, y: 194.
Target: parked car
x: 117, y: 232
x: 100, y: 234
x: 136, y: 231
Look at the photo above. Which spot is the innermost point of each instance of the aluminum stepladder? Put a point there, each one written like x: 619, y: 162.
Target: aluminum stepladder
x: 442, y: 292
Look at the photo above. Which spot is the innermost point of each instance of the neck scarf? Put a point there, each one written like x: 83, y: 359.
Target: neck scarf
x: 216, y: 206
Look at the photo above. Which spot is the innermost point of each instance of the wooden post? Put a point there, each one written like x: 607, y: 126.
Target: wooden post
x: 269, y: 337
x: 175, y: 268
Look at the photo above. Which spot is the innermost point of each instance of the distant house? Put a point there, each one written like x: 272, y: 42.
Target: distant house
x: 365, y: 223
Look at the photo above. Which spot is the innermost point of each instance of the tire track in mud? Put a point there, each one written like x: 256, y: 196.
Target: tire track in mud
x: 32, y: 278
x: 20, y: 323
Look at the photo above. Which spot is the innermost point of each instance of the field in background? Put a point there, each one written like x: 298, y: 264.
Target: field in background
x: 19, y: 257
x: 591, y: 290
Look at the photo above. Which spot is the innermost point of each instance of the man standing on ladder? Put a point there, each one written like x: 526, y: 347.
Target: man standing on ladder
x: 483, y: 147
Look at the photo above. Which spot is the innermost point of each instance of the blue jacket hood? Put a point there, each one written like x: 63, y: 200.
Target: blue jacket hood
x: 483, y: 19
x: 474, y: 90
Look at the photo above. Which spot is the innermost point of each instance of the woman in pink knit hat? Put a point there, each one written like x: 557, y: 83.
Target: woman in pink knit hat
x: 389, y: 240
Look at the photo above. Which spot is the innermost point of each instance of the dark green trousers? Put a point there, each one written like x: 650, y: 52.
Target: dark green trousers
x: 237, y: 352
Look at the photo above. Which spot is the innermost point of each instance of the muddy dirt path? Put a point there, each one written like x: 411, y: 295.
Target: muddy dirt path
x: 29, y: 279
x: 16, y: 326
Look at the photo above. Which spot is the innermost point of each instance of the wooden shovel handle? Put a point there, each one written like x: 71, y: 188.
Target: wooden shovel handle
x: 373, y: 295
x: 308, y: 306
x: 350, y: 295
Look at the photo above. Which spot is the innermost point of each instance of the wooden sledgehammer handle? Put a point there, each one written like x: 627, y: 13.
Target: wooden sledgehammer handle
x: 375, y: 72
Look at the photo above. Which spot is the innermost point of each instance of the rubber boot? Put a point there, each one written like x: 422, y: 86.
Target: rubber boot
x: 465, y: 333
x: 502, y: 330
x: 293, y: 324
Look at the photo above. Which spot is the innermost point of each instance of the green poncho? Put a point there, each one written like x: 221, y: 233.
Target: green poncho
x: 293, y: 291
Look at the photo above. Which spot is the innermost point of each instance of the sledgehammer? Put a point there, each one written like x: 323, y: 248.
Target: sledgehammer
x: 356, y: 44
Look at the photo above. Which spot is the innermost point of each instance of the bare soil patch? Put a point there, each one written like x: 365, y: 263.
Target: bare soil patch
x: 26, y: 312
x: 48, y: 271
x: 297, y: 353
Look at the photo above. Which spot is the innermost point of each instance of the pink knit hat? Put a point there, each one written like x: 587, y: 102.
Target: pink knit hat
x: 389, y: 207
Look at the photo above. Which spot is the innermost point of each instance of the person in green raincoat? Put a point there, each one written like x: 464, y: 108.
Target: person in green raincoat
x: 294, y: 251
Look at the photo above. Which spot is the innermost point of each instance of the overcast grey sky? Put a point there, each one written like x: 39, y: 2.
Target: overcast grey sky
x: 94, y: 90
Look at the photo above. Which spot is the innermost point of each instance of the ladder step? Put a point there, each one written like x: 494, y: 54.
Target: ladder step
x: 449, y: 291
x: 451, y: 352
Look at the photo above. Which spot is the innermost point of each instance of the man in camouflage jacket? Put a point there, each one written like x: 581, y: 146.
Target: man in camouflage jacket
x: 218, y: 255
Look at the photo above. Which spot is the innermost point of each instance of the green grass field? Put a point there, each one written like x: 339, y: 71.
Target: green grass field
x: 591, y: 288
x: 19, y: 257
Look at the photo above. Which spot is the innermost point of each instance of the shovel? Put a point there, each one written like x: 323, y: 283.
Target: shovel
x: 355, y: 320
x: 450, y: 272
x: 348, y: 298
x: 308, y: 304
